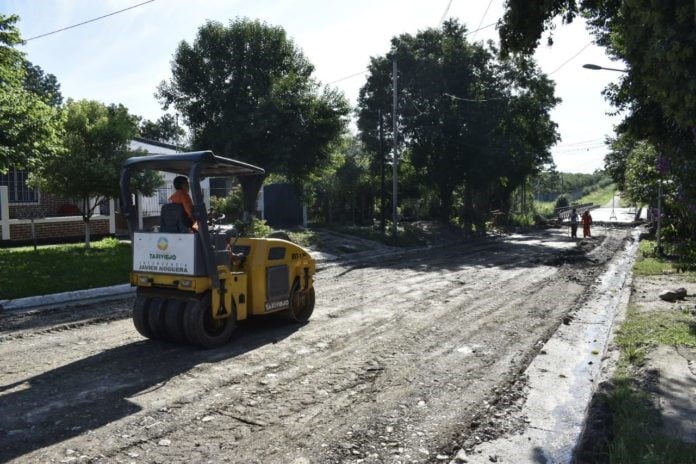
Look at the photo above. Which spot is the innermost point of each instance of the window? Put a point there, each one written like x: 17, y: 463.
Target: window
x: 19, y: 191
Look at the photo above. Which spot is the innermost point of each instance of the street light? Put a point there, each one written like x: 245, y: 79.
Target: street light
x: 596, y: 67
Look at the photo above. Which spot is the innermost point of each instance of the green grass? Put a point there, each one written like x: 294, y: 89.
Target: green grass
x: 599, y: 197
x: 648, y: 263
x: 643, y: 330
x: 405, y: 234
x: 61, y: 268
x: 305, y: 238
x: 636, y: 435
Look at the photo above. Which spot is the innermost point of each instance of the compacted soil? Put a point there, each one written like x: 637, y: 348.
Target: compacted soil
x: 409, y: 356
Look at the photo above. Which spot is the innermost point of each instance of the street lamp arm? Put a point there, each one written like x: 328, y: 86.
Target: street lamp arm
x: 596, y: 67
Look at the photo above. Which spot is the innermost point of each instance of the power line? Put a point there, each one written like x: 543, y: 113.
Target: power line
x: 571, y: 58
x: 364, y: 71
x: 454, y: 97
x: 444, y: 15
x: 484, y: 16
x: 572, y: 150
x: 88, y: 21
x: 583, y: 142
x: 481, y: 28
x: 347, y: 77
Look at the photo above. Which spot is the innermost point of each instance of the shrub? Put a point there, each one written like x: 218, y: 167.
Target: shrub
x: 232, y: 206
x: 562, y: 201
x: 256, y: 228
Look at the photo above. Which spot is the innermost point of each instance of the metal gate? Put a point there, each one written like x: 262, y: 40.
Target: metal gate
x: 281, y: 207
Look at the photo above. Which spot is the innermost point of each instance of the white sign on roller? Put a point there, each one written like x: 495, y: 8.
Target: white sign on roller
x: 164, y: 253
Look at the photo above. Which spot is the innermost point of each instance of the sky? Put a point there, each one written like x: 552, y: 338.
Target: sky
x: 124, y: 57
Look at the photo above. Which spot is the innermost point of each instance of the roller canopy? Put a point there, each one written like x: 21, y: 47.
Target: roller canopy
x: 180, y: 163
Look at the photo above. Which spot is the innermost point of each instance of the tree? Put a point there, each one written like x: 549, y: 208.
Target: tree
x: 641, y: 174
x: 615, y: 161
x: 467, y: 120
x: 658, y: 91
x: 166, y: 129
x: 87, y: 170
x: 246, y: 91
x: 29, y: 126
x: 44, y: 85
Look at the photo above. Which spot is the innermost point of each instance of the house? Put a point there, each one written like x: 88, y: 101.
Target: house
x: 26, y: 213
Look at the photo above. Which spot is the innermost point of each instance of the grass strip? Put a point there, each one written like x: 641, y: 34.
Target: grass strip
x: 635, y: 434
x: 62, y: 268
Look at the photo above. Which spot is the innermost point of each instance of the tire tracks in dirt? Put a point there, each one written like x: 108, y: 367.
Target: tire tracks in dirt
x: 395, y: 366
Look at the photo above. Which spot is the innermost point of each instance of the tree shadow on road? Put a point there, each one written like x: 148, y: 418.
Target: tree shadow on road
x: 520, y: 251
x: 92, y: 392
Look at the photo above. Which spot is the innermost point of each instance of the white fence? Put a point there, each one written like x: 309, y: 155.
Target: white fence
x: 6, y: 223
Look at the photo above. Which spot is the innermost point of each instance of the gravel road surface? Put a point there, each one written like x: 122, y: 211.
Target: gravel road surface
x: 407, y: 359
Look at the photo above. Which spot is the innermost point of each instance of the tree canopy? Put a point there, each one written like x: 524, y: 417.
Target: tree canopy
x: 657, y: 43
x: 30, y: 122
x: 87, y: 169
x: 466, y: 119
x: 166, y: 129
x: 246, y: 91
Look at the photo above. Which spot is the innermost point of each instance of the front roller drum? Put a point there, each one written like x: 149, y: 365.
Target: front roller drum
x: 301, y: 304
x: 202, y: 329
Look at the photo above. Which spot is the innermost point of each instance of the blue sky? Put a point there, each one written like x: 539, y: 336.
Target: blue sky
x: 122, y: 59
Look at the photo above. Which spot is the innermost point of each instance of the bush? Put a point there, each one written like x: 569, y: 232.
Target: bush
x: 256, y: 228
x: 562, y: 201
x: 232, y: 206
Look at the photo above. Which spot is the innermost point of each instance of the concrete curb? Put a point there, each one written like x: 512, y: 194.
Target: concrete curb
x: 58, y: 300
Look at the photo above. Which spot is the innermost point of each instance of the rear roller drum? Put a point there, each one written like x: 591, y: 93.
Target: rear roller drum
x: 301, y: 304
x: 141, y: 308
x: 200, y: 327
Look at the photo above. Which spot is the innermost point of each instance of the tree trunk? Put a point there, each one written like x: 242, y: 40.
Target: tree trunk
x: 468, y: 211
x: 445, y: 204
x: 87, y: 232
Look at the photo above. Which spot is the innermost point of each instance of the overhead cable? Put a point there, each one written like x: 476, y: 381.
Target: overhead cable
x: 571, y: 58
x: 88, y: 21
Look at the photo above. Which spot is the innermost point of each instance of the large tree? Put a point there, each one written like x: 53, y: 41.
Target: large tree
x: 30, y: 122
x: 166, y: 129
x: 246, y: 91
x: 87, y: 170
x: 467, y: 120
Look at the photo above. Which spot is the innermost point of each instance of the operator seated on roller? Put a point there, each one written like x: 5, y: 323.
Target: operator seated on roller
x: 181, y: 196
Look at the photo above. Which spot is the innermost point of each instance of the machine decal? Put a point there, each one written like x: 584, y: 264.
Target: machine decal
x: 171, y: 254
x: 274, y: 305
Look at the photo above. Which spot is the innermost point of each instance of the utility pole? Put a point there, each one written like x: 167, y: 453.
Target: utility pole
x: 659, y: 215
x: 382, y: 190
x: 396, y: 150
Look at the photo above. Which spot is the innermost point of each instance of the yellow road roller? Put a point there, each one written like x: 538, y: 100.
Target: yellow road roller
x: 195, y: 283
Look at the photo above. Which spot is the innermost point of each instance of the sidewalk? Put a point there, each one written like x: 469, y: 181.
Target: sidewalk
x: 59, y: 300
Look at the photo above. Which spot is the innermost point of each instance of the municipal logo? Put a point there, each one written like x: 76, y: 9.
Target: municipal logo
x: 162, y: 244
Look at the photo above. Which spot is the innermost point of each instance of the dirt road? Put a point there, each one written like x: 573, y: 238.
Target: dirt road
x: 406, y: 359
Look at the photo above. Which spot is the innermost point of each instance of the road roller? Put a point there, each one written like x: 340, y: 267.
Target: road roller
x: 196, y: 279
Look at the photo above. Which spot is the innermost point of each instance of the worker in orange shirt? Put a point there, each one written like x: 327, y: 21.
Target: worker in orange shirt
x: 586, y: 223
x: 181, y: 196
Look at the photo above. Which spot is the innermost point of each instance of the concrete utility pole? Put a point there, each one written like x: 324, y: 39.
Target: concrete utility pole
x: 382, y: 190
x: 396, y: 151
x: 659, y: 215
